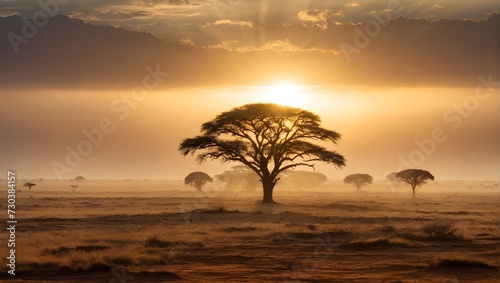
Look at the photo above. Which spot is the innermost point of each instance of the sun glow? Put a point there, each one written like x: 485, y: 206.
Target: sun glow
x: 285, y: 94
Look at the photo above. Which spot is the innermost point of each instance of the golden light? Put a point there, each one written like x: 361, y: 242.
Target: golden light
x: 285, y: 94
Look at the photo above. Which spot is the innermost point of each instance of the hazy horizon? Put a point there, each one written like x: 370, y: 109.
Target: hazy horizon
x: 143, y: 145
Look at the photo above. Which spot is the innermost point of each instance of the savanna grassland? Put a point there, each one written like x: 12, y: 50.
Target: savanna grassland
x: 156, y: 231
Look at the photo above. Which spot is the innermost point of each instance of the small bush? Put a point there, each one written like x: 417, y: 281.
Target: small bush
x: 39, y: 266
x: 311, y: 227
x: 388, y: 229
x: 214, y: 210
x: 148, y: 261
x: 154, y: 242
x: 303, y: 236
x: 220, y: 208
x: 122, y: 261
x: 239, y: 229
x: 59, y: 251
x: 66, y: 250
x: 463, y: 263
x: 91, y: 248
x: 410, y: 236
x: 440, y: 231
x: 279, y: 237
x: 98, y: 266
x: 376, y: 244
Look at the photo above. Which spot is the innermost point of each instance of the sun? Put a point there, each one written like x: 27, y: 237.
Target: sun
x: 285, y: 94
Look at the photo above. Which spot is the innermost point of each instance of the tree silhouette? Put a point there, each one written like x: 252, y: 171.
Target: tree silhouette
x: 80, y: 178
x: 267, y: 138
x: 239, y: 177
x: 301, y: 179
x: 29, y: 185
x: 73, y: 187
x: 358, y: 180
x: 393, y: 178
x: 414, y: 177
x: 197, y: 180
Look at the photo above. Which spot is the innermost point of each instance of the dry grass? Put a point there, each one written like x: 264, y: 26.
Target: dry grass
x: 463, y: 263
x: 441, y: 232
x: 377, y: 236
x: 378, y: 244
x: 239, y: 229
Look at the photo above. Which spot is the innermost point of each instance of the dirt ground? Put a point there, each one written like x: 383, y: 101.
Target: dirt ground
x: 159, y: 231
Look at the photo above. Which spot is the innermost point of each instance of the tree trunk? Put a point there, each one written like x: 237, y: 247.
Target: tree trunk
x: 268, y: 187
x: 413, y: 189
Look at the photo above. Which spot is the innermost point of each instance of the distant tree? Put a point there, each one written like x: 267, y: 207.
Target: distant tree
x: 73, y: 187
x: 414, y: 177
x: 268, y: 139
x: 29, y: 185
x: 197, y: 180
x: 303, y: 179
x: 80, y: 178
x: 358, y: 180
x: 239, y: 177
x: 393, y: 178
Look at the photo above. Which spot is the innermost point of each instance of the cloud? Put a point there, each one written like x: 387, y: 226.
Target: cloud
x: 121, y: 15
x: 162, y: 2
x: 317, y: 15
x: 187, y: 42
x: 137, y: 15
x: 437, y: 6
x: 233, y: 23
x: 351, y: 5
x: 277, y: 46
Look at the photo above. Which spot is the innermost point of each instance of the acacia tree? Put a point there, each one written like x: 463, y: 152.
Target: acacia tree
x: 393, y: 178
x: 301, y: 179
x: 239, y: 177
x: 414, y: 177
x: 197, y: 180
x: 80, y: 178
x: 73, y: 187
x: 267, y: 138
x: 29, y: 185
x: 358, y: 180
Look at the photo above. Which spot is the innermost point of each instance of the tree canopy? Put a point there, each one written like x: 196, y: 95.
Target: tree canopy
x: 393, y: 178
x: 303, y: 179
x: 267, y: 138
x: 29, y: 185
x: 358, y: 180
x: 197, y: 179
x: 414, y: 177
x: 239, y: 177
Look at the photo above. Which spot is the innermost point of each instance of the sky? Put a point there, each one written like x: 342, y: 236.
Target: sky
x: 382, y: 130
x: 402, y: 102
x: 210, y: 22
